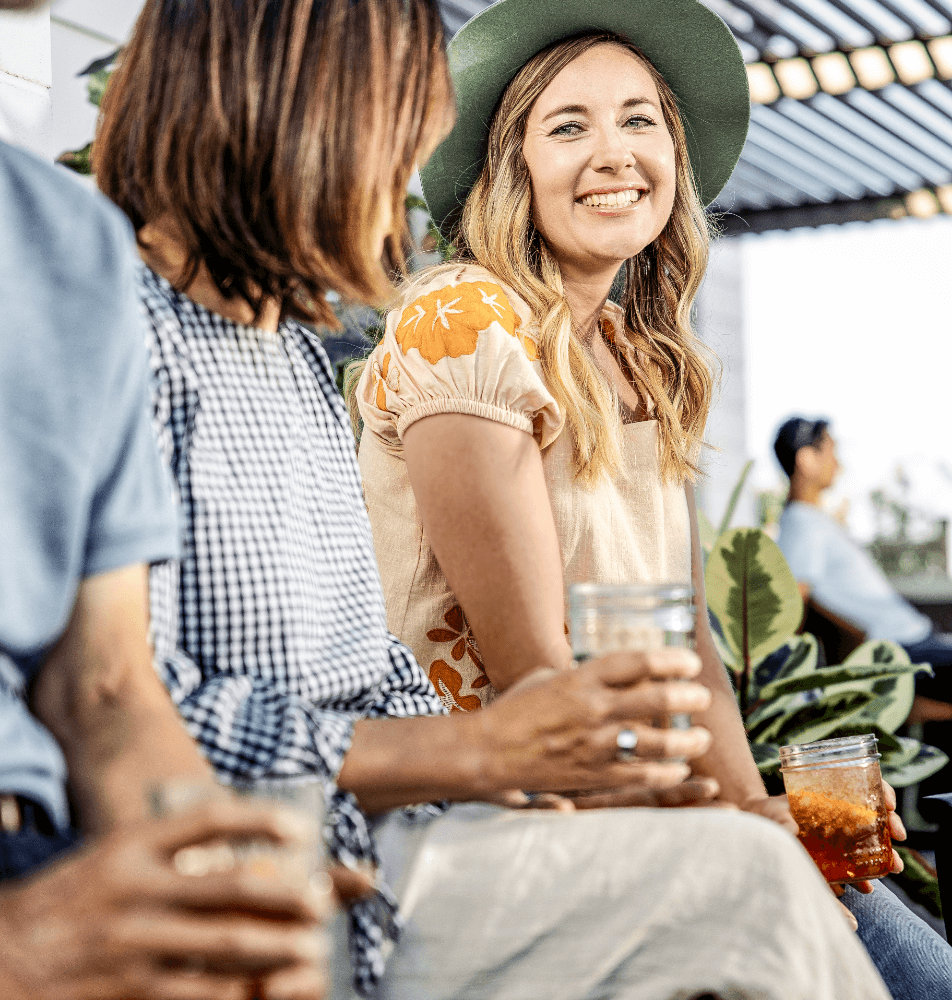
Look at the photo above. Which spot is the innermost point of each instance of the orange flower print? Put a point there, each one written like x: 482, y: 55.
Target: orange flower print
x: 464, y: 642
x: 448, y: 682
x: 447, y: 323
x: 384, y: 379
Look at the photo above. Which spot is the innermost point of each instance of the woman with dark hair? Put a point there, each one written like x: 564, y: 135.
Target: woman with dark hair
x: 261, y: 150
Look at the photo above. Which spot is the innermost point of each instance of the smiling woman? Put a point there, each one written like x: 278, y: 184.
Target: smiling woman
x: 521, y: 431
x: 598, y: 407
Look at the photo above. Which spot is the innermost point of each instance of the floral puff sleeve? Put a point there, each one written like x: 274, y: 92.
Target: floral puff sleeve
x: 462, y: 344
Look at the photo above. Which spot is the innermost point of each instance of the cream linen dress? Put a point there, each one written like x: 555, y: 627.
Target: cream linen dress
x: 467, y: 344
x: 620, y: 904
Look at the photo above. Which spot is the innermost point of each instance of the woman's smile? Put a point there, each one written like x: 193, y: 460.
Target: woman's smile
x: 612, y: 199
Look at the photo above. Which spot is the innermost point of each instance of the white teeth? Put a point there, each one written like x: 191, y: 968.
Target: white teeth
x: 616, y: 199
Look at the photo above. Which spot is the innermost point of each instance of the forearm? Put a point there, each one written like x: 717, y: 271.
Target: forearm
x: 139, y: 742
x: 100, y: 697
x: 729, y: 759
x: 398, y: 762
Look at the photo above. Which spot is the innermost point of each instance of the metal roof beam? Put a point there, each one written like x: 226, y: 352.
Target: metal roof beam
x: 810, y: 216
x: 881, y: 138
x: 919, y: 138
x: 810, y: 118
x: 872, y: 180
x: 747, y: 175
x: 842, y: 185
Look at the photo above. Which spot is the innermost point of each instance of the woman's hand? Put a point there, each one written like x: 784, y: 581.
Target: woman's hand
x: 774, y: 807
x: 896, y: 830
x: 557, y: 730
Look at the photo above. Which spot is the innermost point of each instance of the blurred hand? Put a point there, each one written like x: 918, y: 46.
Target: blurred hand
x: 556, y: 730
x: 773, y: 807
x: 117, y: 920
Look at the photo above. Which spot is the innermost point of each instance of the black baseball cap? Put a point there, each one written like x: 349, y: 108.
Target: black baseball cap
x: 796, y: 433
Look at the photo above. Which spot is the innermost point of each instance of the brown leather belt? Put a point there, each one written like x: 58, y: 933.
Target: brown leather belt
x: 11, y: 815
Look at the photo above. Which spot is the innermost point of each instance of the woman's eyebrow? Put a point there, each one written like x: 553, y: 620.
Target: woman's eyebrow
x: 575, y: 109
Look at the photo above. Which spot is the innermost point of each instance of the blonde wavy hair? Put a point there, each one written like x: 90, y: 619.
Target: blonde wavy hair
x: 496, y: 231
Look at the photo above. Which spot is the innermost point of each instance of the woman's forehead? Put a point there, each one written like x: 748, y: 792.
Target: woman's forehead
x: 608, y: 72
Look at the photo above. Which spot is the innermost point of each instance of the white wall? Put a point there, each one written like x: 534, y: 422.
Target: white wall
x: 26, y: 110
x: 43, y: 103
x: 81, y: 31
x: 720, y: 323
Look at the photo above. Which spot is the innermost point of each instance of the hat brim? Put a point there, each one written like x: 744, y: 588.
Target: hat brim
x: 687, y: 43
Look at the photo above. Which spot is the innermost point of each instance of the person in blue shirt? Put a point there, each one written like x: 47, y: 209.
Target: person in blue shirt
x: 839, y: 574
x: 91, y: 904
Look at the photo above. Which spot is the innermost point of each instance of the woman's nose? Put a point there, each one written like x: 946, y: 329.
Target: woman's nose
x: 613, y: 152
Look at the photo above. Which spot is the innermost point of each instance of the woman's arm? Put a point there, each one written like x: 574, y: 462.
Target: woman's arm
x: 485, y: 509
x: 729, y: 759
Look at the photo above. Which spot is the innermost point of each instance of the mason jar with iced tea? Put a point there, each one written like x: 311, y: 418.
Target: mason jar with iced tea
x: 836, y: 796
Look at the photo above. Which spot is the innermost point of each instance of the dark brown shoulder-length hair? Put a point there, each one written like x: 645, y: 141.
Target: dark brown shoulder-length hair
x: 272, y: 134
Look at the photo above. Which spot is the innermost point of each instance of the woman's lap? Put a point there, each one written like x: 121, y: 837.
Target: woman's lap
x: 653, y: 904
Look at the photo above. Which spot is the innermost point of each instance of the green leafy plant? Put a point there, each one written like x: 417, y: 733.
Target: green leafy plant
x: 97, y: 75
x: 784, y: 695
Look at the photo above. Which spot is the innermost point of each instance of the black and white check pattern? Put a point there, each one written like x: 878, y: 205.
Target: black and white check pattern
x: 272, y: 631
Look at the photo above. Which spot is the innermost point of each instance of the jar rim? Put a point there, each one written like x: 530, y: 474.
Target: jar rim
x: 842, y: 749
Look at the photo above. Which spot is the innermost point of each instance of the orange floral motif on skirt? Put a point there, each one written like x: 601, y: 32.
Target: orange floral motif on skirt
x: 445, y: 678
x: 447, y: 323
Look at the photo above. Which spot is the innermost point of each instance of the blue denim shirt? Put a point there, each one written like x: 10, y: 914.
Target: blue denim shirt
x: 82, y: 486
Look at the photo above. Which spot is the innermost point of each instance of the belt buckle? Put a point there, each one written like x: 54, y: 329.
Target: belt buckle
x: 11, y: 817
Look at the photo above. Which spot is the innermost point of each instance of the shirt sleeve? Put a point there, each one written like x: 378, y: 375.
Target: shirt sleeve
x: 459, y: 346
x: 132, y: 516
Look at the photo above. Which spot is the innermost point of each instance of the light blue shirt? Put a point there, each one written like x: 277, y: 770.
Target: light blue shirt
x: 82, y: 486
x: 844, y: 578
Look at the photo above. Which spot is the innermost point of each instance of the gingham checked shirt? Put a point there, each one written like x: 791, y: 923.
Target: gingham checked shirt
x: 272, y: 631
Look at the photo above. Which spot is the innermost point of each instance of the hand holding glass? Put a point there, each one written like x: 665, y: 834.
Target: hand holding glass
x: 606, y: 618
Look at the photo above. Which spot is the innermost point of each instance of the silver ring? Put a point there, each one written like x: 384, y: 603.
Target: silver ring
x: 627, y: 743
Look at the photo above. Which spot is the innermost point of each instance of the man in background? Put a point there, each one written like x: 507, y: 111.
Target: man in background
x: 839, y: 574
x: 86, y: 726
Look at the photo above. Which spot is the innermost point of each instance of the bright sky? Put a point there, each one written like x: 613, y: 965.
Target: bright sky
x: 854, y: 323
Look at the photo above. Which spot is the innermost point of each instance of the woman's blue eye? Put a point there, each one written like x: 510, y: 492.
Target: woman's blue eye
x: 569, y: 128
x: 639, y: 121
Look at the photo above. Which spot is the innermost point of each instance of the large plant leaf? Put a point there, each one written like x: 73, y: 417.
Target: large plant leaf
x: 847, y: 676
x: 905, y: 752
x: 816, y: 720
x: 726, y: 653
x: 894, y: 694
x: 927, y: 762
x: 766, y: 756
x: 919, y: 882
x: 754, y: 595
x: 801, y: 658
x: 764, y: 710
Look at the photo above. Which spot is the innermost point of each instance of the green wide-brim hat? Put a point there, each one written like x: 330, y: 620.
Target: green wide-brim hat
x: 688, y: 44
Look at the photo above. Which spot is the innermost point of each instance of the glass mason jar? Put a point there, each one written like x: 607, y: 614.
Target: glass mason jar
x: 609, y: 618
x: 836, y: 796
